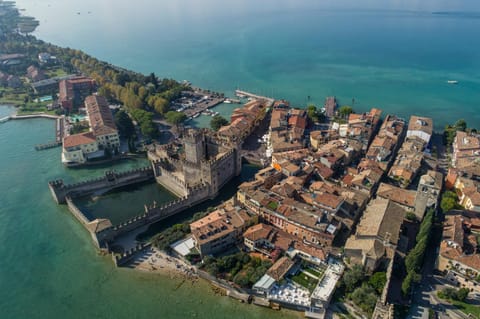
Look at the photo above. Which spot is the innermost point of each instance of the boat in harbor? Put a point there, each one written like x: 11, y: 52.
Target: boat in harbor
x: 196, y: 115
x: 452, y: 82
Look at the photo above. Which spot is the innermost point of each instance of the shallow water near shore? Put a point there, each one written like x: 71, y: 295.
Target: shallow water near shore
x: 49, y: 267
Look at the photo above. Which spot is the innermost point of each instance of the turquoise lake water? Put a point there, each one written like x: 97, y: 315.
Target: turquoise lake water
x: 49, y: 267
x: 395, y: 55
x: 382, y: 56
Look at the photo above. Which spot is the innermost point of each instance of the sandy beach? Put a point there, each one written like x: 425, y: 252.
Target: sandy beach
x: 154, y: 260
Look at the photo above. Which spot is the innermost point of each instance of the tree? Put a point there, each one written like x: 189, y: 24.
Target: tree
x: 345, y: 111
x: 460, y: 125
x: 378, y: 280
x: 161, y: 105
x: 365, y: 298
x: 124, y: 124
x: 152, y: 78
x: 175, y: 118
x: 121, y: 78
x: 462, y: 294
x: 407, y: 283
x: 217, y: 122
x: 353, y: 276
x: 448, y: 204
x: 313, y: 114
x: 411, y: 216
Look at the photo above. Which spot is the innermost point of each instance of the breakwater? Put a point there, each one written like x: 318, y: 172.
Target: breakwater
x: 241, y: 93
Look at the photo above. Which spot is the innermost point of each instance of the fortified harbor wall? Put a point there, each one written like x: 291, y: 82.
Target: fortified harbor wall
x: 101, y: 230
x: 110, y: 181
x: 169, y: 180
x: 154, y: 213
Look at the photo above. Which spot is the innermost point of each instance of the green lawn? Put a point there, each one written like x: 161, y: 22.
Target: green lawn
x: 314, y: 272
x: 467, y: 308
x: 54, y: 72
x: 305, y: 281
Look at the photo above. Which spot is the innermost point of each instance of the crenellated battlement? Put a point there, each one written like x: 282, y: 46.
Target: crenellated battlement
x: 110, y: 180
x: 228, y: 154
x: 129, y: 254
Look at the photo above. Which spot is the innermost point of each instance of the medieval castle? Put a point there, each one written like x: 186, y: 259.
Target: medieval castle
x: 201, y: 161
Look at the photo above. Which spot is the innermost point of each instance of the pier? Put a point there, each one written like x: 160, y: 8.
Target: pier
x: 59, y: 133
x: 29, y: 116
x: 33, y: 116
x: 241, y: 93
x: 4, y: 119
x: 203, y: 106
x: 41, y: 147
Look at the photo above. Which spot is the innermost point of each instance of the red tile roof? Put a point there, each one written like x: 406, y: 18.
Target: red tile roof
x: 78, y: 139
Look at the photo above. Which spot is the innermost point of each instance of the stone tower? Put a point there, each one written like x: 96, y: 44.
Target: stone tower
x: 194, y: 143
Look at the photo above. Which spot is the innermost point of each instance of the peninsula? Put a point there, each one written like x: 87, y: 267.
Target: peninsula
x: 351, y: 213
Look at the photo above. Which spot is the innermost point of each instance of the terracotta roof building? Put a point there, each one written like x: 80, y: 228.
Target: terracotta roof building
x: 73, y: 91
x: 219, y: 229
x: 102, y: 129
x: 378, y: 234
x: 421, y: 127
x: 459, y: 255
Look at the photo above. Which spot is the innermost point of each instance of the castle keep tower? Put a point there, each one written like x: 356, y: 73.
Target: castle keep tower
x: 194, y: 146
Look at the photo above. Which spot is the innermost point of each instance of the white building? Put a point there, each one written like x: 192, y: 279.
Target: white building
x: 421, y: 127
x: 78, y: 148
x: 103, y: 135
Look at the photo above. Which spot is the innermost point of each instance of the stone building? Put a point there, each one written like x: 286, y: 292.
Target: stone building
x: 219, y: 230
x: 202, y: 160
x: 378, y: 234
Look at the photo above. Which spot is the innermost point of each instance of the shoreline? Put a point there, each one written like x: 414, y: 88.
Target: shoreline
x: 153, y: 260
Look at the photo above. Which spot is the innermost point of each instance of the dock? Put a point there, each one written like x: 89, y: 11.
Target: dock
x: 202, y: 106
x: 5, y: 119
x: 33, y: 116
x: 29, y: 116
x: 41, y: 147
x: 241, y: 93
